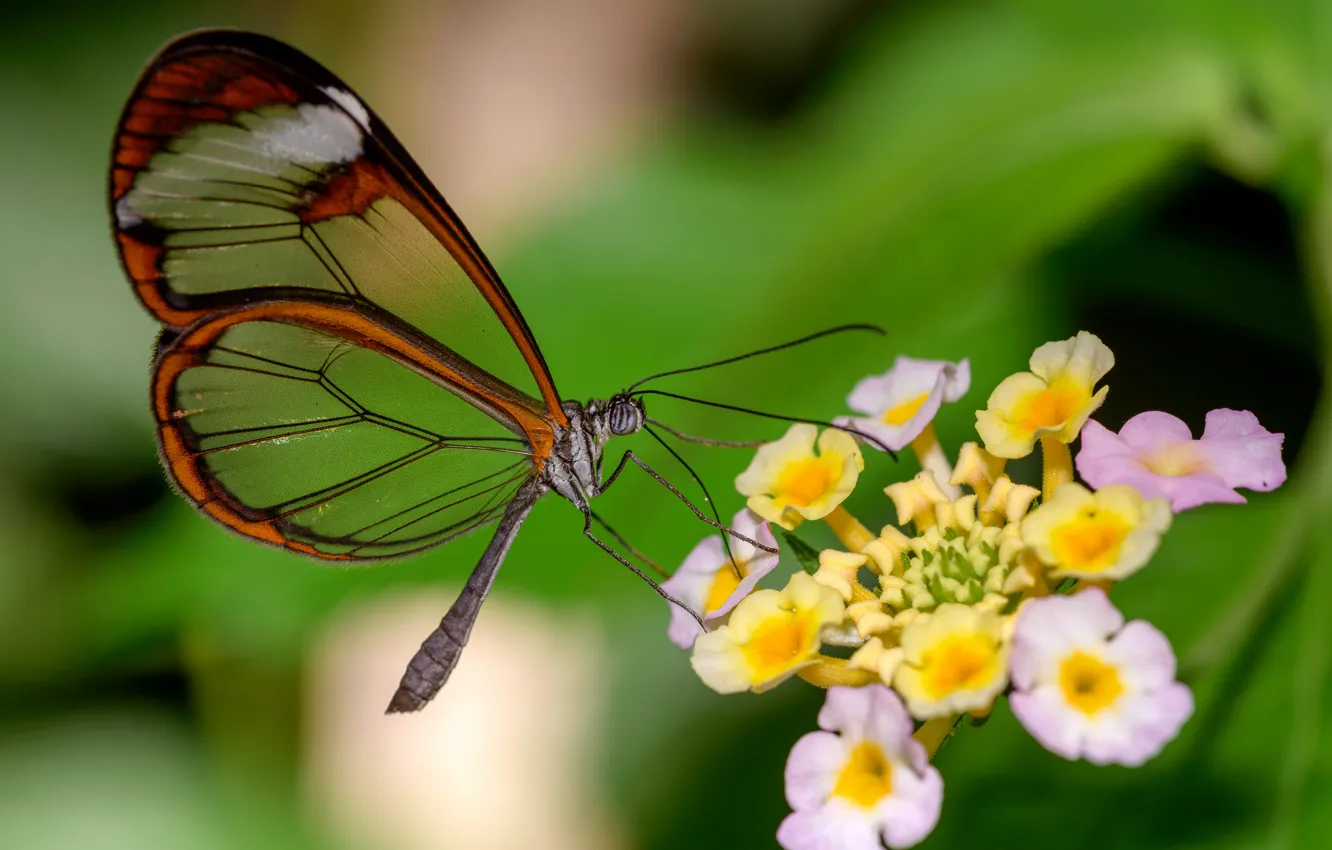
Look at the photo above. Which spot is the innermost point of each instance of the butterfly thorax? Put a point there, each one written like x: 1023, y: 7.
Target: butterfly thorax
x: 574, y: 467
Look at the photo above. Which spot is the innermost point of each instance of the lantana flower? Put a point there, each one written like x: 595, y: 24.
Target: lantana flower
x: 788, y: 481
x: 1089, y: 686
x: 863, y: 782
x: 771, y: 635
x: 960, y: 596
x: 899, y: 404
x: 1054, y: 399
x: 711, y: 585
x: 953, y: 660
x: 1109, y: 534
x: 1156, y: 453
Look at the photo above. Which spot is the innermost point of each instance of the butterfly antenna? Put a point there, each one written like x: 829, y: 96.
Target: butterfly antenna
x: 769, y: 350
x: 821, y: 423
x: 707, y: 441
x: 726, y: 543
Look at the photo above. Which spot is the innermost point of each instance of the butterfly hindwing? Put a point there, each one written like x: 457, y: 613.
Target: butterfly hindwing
x: 304, y: 434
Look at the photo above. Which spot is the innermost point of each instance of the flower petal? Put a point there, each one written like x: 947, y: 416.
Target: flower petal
x: 1144, y: 651
x: 1045, y: 717
x: 957, y: 380
x: 829, y: 828
x: 812, y: 768
x: 1243, y: 452
x: 1154, y: 430
x: 1084, y: 358
x: 691, y: 584
x: 719, y: 662
x: 913, y: 811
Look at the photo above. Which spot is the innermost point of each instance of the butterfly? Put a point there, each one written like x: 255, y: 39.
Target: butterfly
x: 340, y: 372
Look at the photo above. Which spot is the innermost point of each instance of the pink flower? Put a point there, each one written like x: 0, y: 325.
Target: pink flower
x: 1156, y: 454
x: 1088, y: 686
x: 711, y: 585
x: 862, y: 783
x: 898, y: 405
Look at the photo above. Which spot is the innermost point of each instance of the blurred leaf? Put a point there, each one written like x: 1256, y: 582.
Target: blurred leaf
x: 806, y: 554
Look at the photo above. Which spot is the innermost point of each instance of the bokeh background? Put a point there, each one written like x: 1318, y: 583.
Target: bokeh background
x: 661, y: 182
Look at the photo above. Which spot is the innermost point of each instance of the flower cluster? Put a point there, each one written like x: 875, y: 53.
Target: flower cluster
x: 983, y: 587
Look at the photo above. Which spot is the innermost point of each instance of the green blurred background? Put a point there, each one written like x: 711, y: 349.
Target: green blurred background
x: 661, y: 182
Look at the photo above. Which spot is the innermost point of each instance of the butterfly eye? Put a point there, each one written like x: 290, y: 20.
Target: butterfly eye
x: 626, y: 417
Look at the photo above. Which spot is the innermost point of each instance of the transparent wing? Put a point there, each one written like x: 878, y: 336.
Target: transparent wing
x: 305, y: 433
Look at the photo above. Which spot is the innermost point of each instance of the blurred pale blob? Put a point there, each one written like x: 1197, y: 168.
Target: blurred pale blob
x: 114, y: 779
x: 503, y: 758
x: 508, y: 102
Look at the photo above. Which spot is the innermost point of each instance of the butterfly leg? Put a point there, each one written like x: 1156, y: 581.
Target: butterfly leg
x: 656, y: 476
x: 627, y: 545
x: 662, y: 592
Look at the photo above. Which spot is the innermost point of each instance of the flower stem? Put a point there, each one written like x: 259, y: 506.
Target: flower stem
x: 1058, y: 465
x: 932, y: 459
x: 848, y: 529
x: 831, y: 671
x: 933, y: 733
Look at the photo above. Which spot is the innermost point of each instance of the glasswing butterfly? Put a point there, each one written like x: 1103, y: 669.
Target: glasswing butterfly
x: 340, y: 372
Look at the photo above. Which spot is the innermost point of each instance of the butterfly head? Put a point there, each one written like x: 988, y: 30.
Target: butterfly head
x: 617, y: 416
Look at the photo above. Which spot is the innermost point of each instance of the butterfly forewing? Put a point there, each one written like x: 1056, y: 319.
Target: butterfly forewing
x: 243, y: 170
x: 344, y: 373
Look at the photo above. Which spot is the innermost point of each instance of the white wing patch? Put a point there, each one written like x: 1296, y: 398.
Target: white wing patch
x: 348, y: 101
x: 127, y: 218
x: 316, y: 134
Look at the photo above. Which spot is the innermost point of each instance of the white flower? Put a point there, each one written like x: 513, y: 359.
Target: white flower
x: 1089, y: 686
x: 899, y: 403
x: 708, y: 582
x: 864, y: 781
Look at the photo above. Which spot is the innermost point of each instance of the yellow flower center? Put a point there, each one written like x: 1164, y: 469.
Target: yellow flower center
x: 1089, y: 542
x: 959, y: 662
x: 904, y: 411
x: 867, y: 776
x: 1173, y: 461
x: 1051, y: 407
x: 806, y: 481
x: 780, y: 643
x: 1089, y: 684
x: 724, y: 584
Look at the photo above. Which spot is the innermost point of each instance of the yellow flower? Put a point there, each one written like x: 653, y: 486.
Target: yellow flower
x: 1054, y: 399
x: 953, y: 660
x: 787, y: 482
x: 771, y: 635
x: 1109, y: 534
